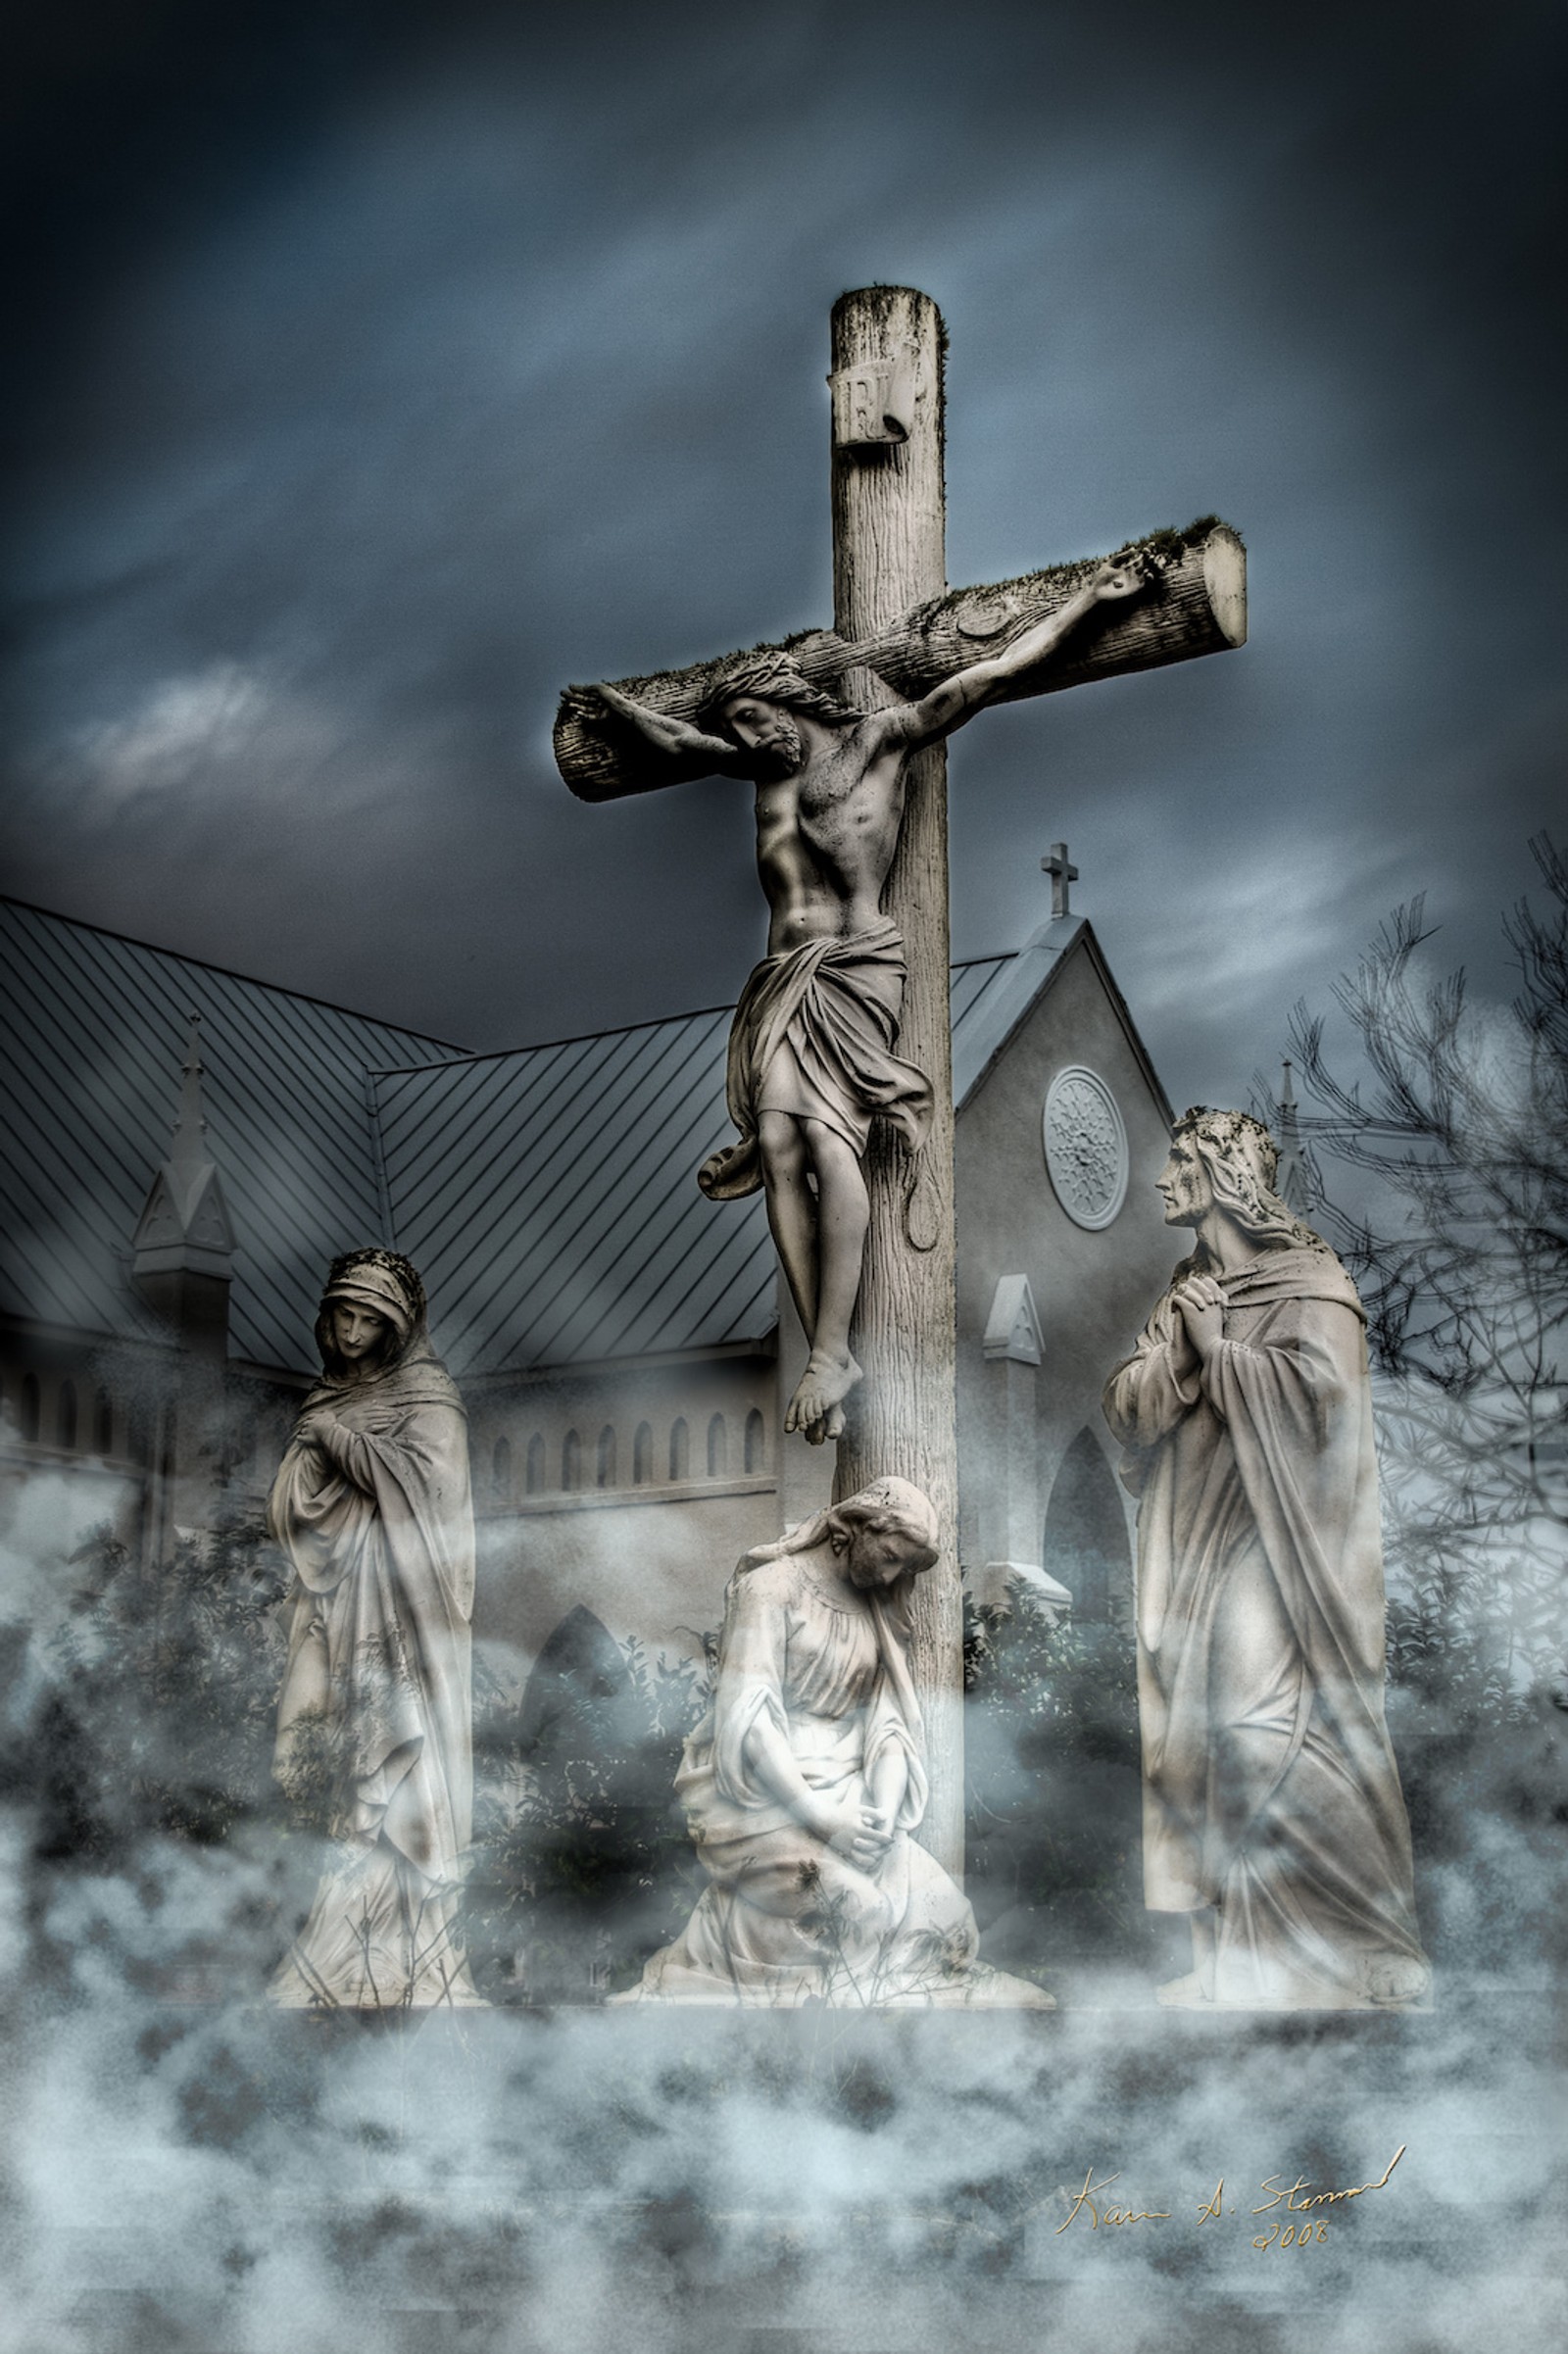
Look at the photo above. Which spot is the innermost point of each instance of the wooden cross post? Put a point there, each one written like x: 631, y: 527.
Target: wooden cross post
x: 897, y: 633
x: 889, y: 556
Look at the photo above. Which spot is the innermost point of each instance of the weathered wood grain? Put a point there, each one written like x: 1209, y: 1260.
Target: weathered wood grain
x: 1195, y: 605
x: 888, y: 531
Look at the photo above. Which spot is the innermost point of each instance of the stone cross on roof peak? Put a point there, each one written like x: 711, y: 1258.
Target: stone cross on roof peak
x: 1061, y: 875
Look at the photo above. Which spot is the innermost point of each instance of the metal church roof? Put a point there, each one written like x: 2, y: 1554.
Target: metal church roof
x: 91, y: 1065
x: 548, y: 1194
x: 549, y: 1198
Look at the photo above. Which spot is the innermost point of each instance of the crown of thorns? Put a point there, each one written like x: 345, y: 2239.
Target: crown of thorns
x: 774, y: 678
x: 1226, y: 1130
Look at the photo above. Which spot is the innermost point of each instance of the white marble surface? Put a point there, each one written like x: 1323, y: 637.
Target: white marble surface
x: 371, y: 1506
x: 1273, y: 1813
x: 805, y: 1782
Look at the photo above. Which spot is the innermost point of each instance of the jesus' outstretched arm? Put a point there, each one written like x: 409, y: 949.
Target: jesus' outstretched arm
x: 968, y: 691
x: 677, y: 738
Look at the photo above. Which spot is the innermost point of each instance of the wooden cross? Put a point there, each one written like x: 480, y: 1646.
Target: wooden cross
x: 897, y: 632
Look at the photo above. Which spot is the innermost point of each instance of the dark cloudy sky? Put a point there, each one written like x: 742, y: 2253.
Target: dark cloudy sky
x: 378, y: 370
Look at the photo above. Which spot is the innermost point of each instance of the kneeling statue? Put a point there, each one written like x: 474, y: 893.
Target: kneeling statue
x: 804, y: 1780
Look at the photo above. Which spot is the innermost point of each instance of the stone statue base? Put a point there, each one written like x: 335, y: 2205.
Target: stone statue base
x: 379, y: 1937
x: 1394, y: 1986
x: 976, y: 1989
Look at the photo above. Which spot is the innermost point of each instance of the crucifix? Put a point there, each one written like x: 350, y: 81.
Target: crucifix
x: 840, y: 1073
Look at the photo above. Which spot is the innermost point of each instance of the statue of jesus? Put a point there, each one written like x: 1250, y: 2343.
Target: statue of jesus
x: 1272, y: 1811
x: 812, y: 1054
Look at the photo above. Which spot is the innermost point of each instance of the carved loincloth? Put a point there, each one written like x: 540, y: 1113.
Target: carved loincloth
x: 813, y: 1036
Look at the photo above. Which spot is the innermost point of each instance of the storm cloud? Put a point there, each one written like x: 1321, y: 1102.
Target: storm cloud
x: 380, y: 379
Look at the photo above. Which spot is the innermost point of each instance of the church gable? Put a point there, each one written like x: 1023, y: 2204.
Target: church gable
x: 1060, y: 1135
x: 1063, y: 1131
x: 99, y: 1024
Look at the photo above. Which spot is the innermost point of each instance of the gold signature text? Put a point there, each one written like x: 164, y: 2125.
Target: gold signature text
x: 1323, y: 2198
x: 1300, y: 2202
x: 1085, y: 2202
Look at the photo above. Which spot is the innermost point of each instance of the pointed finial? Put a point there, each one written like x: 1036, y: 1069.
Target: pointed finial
x: 1061, y: 875
x: 1293, y: 1181
x: 191, y: 1129
x: 184, y: 1226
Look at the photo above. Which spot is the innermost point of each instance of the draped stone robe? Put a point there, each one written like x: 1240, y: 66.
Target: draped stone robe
x: 378, y: 1522
x: 1270, y: 1788
x: 785, y: 1919
x: 813, y: 1035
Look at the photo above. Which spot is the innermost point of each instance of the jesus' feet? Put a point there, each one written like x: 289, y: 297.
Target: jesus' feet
x: 816, y: 1406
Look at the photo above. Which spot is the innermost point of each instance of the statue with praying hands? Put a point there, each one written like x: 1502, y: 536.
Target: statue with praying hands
x: 1272, y: 1811
x: 812, y: 1051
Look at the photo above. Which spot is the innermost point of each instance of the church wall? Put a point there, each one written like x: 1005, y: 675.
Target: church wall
x: 645, y: 1537
x: 1092, y: 1289
x: 153, y: 1440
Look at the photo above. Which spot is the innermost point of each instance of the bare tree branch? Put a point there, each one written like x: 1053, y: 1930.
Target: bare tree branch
x: 1454, y: 1146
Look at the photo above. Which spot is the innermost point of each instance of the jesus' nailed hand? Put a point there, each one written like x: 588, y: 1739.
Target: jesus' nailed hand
x: 810, y: 1056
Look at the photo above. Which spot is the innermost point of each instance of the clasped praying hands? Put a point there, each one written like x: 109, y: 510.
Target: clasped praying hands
x: 1201, y: 1309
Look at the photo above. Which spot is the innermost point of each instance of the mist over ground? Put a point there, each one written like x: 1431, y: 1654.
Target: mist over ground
x: 186, y: 2169
x: 694, y: 2183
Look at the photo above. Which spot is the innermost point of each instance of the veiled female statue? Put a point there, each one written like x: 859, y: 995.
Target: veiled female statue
x: 1273, y: 1814
x: 371, y: 1506
x: 805, y: 1779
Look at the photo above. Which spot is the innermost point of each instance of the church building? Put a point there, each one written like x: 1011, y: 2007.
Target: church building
x: 189, y: 1149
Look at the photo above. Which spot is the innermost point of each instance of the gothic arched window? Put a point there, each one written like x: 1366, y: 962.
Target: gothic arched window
x: 604, y: 1462
x: 1086, y: 1530
x: 680, y: 1449
x: 571, y: 1461
x: 642, y: 1455
x: 717, y: 1448
x: 501, y: 1467
x: 533, y: 1478
x: 756, y: 1441
x: 65, y: 1415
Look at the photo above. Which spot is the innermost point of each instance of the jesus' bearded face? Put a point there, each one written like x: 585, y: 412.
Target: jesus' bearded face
x: 768, y: 730
x: 1184, y: 1185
